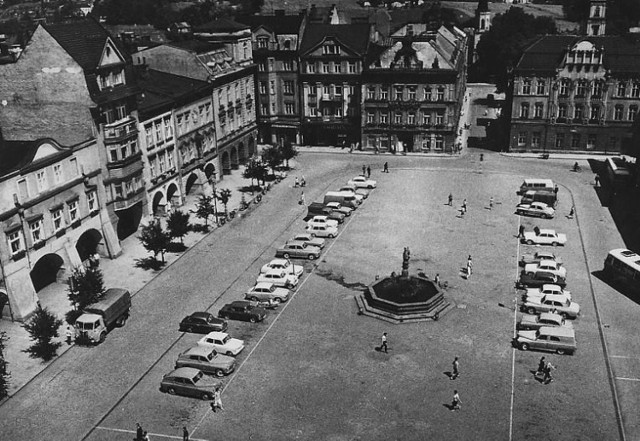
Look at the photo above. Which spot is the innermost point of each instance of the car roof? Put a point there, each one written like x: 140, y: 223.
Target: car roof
x: 551, y: 315
x: 187, y: 372
x: 546, y: 230
x: 240, y: 303
x: 201, y: 314
x: 545, y: 253
x: 295, y: 242
x: 267, y: 285
x: 551, y: 286
x: 559, y: 331
x: 198, y: 350
x: 278, y: 262
x: 540, y: 203
x: 320, y: 216
x: 302, y: 234
x: 549, y: 261
x: 216, y: 334
x: 558, y: 297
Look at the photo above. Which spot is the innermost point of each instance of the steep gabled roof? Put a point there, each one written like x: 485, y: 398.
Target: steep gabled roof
x: 15, y: 155
x: 83, y: 40
x: 278, y: 24
x: 354, y: 36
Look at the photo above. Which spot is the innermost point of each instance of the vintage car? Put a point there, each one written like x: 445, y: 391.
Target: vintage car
x: 189, y: 382
x: 322, y: 220
x: 544, y: 237
x: 558, y: 304
x: 284, y: 264
x: 278, y: 278
x: 310, y: 240
x: 538, y: 279
x: 297, y: 249
x: 536, y: 209
x: 362, y: 182
x: 222, y: 343
x: 268, y: 291
x: 241, y: 310
x: 202, y: 322
x: 322, y: 230
x: 558, y: 339
x: 535, y: 321
x: 547, y: 288
x: 207, y: 360
x: 536, y: 257
x: 549, y: 266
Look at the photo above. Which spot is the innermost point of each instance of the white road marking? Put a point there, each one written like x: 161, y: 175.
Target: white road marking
x: 158, y: 435
x: 625, y: 356
x: 513, y: 350
x: 627, y: 379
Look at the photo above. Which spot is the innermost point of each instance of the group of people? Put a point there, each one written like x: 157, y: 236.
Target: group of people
x: 300, y: 182
x: 544, y: 371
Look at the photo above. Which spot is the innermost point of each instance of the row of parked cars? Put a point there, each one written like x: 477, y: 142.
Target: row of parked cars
x: 198, y: 369
x: 547, y: 305
x: 538, y: 198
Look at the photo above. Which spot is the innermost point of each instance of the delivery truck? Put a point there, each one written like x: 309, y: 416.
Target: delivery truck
x: 100, y: 317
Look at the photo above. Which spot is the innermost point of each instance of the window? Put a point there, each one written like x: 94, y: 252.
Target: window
x: 337, y: 90
x: 564, y: 88
x: 440, y: 93
x: 426, y: 119
x: 288, y: 87
x: 36, y: 230
x: 287, y: 65
x: 264, y: 110
x: 562, y: 111
x: 633, y: 111
x: 581, y: 89
x: 621, y: 90
x: 326, y: 89
x: 535, y: 140
x: 591, y: 141
x: 595, y: 112
x: 439, y: 118
x: 41, y: 180
x: 56, y: 217
x: 338, y: 111
x: 159, y: 134
x: 526, y: 86
x: 538, y: 110
x: 575, y: 140
x: 427, y: 94
x: 57, y: 174
x: 397, y: 93
x: 337, y: 68
x: 352, y: 68
x: 439, y: 142
x: 411, y: 119
x: 148, y: 131
x: 522, y: 138
x: 73, y: 167
x: 370, y: 117
x: 263, y: 87
x: 596, y: 89
x: 578, y: 112
x: 15, y: 241
x: 262, y: 67
x: 412, y: 94
x: 330, y: 49
x: 617, y: 113
x: 384, y: 93
x: 121, y: 111
x: 170, y: 157
x: 289, y: 108
x: 540, y: 87
x: 107, y: 115
x: 263, y: 43
x: 397, y: 118
x: 23, y: 190
x: 384, y: 118
x: 273, y: 108
x: 371, y: 93
x: 311, y: 68
x: 524, y: 110
x: 635, y: 90
x: 325, y: 67
x: 272, y: 87
x: 559, y: 140
x: 312, y: 89
x: 73, y: 210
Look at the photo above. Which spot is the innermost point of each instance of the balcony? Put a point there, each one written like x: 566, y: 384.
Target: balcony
x: 123, y: 203
x: 120, y: 130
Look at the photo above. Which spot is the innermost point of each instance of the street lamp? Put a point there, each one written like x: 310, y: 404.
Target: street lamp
x: 212, y: 182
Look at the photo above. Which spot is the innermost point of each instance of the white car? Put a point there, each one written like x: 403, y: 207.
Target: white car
x: 322, y: 220
x: 283, y: 264
x: 222, y: 343
x: 537, y: 209
x: 351, y: 192
x: 335, y: 206
x: 362, y: 182
x: 278, y: 278
x: 361, y: 191
x: 267, y: 291
x: 309, y: 240
x: 544, y: 237
x: 550, y: 266
x: 322, y: 230
x: 546, y: 289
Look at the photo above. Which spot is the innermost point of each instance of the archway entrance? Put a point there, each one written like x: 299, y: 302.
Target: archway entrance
x: 45, y: 271
x: 191, y: 180
x: 158, y: 205
x: 234, y: 158
x: 129, y: 220
x: 226, y: 164
x: 173, y: 197
x: 251, y: 147
x: 88, y: 244
x: 209, y: 170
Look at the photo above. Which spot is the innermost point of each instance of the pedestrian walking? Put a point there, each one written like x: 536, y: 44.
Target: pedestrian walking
x: 69, y: 334
x: 364, y: 170
x: 185, y: 434
x: 456, y: 404
x: 368, y: 172
x: 491, y: 203
x: 145, y: 437
x: 302, y: 200
x: 456, y: 369
x: 571, y: 212
x: 547, y: 373
x: 385, y: 168
x: 217, y: 400
x: 436, y: 280
x: 450, y: 199
x: 541, y: 365
x: 597, y: 178
x: 139, y: 432
x: 296, y: 182
x: 383, y: 344
x: 521, y: 232
x: 303, y: 182
x: 469, y: 266
x: 464, y: 205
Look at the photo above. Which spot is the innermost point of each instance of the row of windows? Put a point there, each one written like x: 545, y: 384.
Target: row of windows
x: 410, y: 118
x: 581, y: 87
x: 161, y: 162
x: 289, y: 109
x: 593, y: 112
x: 239, y: 90
x: 383, y: 142
x: 575, y: 141
x: 47, y: 178
x: 194, y: 118
x: 114, y: 112
x: 125, y: 189
x: 111, y: 79
x: 158, y: 132
x: 331, y: 89
x: 263, y: 43
x: 121, y: 151
x: 328, y: 67
x: 288, y: 87
x: 58, y: 219
x: 283, y: 65
x: 410, y: 93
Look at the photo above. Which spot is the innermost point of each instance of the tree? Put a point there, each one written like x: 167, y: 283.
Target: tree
x: 288, y: 151
x: 205, y: 208
x: 43, y: 328
x: 155, y: 240
x: 273, y: 157
x: 85, y: 287
x: 500, y: 48
x: 223, y: 196
x: 178, y: 225
x: 4, y: 364
x: 252, y: 171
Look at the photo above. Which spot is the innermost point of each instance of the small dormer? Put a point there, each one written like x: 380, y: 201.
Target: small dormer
x: 584, y: 53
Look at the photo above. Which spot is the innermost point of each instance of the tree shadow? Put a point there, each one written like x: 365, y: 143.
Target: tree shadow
x: 176, y: 247
x: 149, y: 263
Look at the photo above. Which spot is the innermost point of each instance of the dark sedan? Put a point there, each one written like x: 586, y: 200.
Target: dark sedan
x: 241, y: 310
x: 538, y: 279
x: 202, y: 323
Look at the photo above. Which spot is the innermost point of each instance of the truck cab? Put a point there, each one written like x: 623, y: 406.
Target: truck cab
x: 112, y: 309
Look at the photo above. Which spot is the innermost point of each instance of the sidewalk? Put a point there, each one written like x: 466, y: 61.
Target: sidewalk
x: 120, y: 272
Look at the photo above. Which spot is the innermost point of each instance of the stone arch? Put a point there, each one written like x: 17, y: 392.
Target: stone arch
x: 173, y: 196
x: 210, y: 170
x: 88, y: 244
x: 234, y: 158
x: 159, y: 203
x: 45, y: 271
x: 129, y: 220
x: 226, y: 163
x: 192, y: 181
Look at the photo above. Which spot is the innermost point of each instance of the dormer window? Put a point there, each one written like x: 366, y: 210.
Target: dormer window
x: 263, y: 43
x: 330, y: 49
x: 114, y: 78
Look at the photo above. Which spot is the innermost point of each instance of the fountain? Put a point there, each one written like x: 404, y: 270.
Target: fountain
x: 404, y: 298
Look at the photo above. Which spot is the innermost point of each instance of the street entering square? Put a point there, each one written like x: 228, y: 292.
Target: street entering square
x: 310, y: 371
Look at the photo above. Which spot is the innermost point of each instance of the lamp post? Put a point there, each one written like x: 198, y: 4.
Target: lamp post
x: 212, y: 182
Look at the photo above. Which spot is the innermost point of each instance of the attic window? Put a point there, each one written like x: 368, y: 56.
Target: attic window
x: 287, y: 44
x: 330, y: 49
x: 108, y: 51
x: 263, y: 43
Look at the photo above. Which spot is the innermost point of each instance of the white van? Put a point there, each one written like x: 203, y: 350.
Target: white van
x: 536, y: 184
x: 345, y: 199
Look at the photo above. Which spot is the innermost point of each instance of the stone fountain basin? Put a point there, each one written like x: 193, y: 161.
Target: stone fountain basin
x: 404, y: 295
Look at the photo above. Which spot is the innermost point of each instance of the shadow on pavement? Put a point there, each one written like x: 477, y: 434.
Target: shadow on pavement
x: 632, y: 295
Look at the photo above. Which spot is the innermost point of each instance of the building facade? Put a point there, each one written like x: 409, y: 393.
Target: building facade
x: 413, y: 92
x: 332, y: 59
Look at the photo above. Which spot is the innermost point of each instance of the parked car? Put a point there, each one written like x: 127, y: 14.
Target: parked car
x: 560, y: 339
x: 284, y: 264
x: 202, y: 322
x: 348, y: 189
x: 362, y: 182
x: 361, y: 191
x: 240, y: 310
x: 538, y: 256
x: 549, y: 266
x: 536, y: 209
x: 322, y: 230
x: 538, y: 279
x: 298, y: 249
x: 544, y: 237
x: 207, y: 360
x: 336, y: 206
x: 317, y: 208
x: 278, y: 278
x: 534, y: 321
x: 267, y: 290
x: 310, y: 240
x: 189, y: 382
x: 560, y: 304
x: 546, y: 289
x: 322, y: 220
x: 222, y: 343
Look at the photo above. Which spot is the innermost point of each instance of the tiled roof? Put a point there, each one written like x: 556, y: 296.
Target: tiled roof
x: 162, y: 89
x: 278, y: 24
x: 354, y: 36
x: 197, y: 46
x: 84, y: 40
x: 221, y: 25
x: 546, y: 54
x: 16, y: 154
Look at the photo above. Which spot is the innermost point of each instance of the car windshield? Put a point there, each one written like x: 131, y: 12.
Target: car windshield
x: 226, y: 339
x: 210, y: 355
x: 197, y: 377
